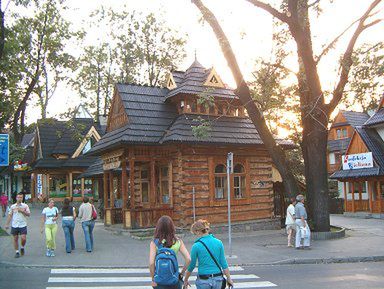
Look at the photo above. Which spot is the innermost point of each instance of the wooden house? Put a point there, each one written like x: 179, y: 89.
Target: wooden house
x: 362, y: 170
x: 340, y: 134
x: 59, y: 158
x: 155, y: 163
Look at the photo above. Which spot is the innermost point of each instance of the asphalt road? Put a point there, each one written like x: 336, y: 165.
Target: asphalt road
x: 339, y: 276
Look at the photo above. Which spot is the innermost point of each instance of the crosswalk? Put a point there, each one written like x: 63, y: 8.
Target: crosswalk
x: 132, y: 278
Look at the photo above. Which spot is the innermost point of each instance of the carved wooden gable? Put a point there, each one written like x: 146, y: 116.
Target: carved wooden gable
x: 171, y: 84
x: 117, y: 115
x: 214, y: 80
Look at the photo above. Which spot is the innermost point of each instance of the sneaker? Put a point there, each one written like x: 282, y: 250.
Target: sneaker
x: 17, y: 255
x: 52, y: 253
x: 22, y: 251
x: 48, y: 254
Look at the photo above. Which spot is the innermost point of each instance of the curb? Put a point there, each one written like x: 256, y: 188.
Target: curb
x: 309, y: 261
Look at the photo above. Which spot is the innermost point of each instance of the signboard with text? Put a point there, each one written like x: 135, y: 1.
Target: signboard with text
x: 357, y: 161
x: 4, y: 150
x: 39, y: 185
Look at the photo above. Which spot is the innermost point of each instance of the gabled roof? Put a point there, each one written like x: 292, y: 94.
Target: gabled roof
x: 63, y: 138
x: 376, y: 119
x: 193, y: 81
x: 354, y: 118
x: 375, y: 145
x: 27, y: 140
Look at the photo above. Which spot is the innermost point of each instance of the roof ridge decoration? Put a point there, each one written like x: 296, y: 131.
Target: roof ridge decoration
x: 214, y: 79
x: 171, y: 83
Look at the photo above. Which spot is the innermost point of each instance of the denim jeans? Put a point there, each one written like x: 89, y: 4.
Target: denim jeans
x: 211, y: 283
x: 88, y: 229
x: 178, y: 286
x: 69, y: 227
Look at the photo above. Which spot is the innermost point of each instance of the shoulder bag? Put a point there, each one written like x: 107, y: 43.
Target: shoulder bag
x: 224, y: 283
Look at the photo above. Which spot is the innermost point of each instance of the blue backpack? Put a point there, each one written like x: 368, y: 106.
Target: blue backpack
x: 166, y: 266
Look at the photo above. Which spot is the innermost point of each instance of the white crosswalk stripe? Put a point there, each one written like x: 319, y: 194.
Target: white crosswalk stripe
x: 132, y: 278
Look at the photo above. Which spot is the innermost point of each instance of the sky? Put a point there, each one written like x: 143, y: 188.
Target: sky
x: 248, y: 28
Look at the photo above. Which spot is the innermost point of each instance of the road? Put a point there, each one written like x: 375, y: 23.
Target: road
x: 340, y: 276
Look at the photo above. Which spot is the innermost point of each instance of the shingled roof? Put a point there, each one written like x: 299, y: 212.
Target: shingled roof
x: 152, y: 120
x: 63, y: 137
x: 376, y: 119
x: 354, y: 118
x: 375, y: 145
x: 192, y: 82
x: 338, y: 145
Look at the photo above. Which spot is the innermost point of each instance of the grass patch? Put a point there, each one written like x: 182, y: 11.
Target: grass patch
x: 3, y: 232
x: 335, y: 229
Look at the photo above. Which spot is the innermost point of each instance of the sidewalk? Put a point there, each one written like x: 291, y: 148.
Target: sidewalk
x: 363, y: 242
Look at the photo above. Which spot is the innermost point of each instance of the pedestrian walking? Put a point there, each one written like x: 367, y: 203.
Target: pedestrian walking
x: 303, y: 232
x: 208, y: 251
x: 87, y: 216
x: 18, y: 214
x: 49, y: 218
x: 68, y: 217
x: 290, y: 221
x: 163, y: 250
x: 4, y: 203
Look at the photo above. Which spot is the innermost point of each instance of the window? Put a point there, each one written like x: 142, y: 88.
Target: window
x: 220, y: 182
x: 237, y: 113
x: 144, y: 179
x: 163, y: 185
x: 239, y: 181
x: 220, y: 109
x: 58, y: 186
x: 88, y: 188
x: 211, y: 109
x: 88, y: 146
x: 332, y: 159
x: 341, y: 133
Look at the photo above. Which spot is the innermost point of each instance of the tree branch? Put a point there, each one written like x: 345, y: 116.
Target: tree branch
x: 347, y: 61
x: 243, y: 92
x: 274, y: 12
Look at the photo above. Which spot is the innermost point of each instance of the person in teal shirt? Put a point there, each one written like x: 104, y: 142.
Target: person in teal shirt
x: 210, y: 276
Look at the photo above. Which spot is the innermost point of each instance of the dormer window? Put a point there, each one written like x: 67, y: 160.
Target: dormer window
x: 88, y: 146
x: 182, y: 104
x: 214, y: 80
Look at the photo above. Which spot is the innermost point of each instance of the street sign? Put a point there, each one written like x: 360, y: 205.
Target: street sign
x: 4, y: 150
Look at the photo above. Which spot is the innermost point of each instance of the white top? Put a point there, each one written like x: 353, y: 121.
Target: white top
x: 50, y: 214
x: 290, y: 217
x: 18, y: 219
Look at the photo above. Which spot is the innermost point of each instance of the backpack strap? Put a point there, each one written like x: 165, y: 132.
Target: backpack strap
x: 213, y: 257
x: 158, y: 244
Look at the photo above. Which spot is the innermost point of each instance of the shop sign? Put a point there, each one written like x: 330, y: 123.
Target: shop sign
x: 357, y: 161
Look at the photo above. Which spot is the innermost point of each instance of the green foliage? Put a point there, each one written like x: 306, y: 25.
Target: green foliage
x: 366, y: 84
x: 201, y: 128
x: 206, y: 98
x: 34, y: 56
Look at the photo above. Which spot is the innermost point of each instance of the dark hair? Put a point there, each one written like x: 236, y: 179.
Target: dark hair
x: 165, y: 231
x: 66, y: 203
x: 20, y: 194
x: 293, y: 200
x: 85, y: 199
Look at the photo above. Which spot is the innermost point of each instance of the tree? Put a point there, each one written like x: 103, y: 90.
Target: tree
x: 142, y: 49
x: 315, y: 112
x: 366, y: 86
x: 35, y: 46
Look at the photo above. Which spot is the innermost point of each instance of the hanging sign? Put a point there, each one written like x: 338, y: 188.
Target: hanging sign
x: 357, y: 161
x: 4, y: 150
x: 39, y: 185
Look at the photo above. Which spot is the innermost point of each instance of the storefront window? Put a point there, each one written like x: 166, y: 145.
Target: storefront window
x: 164, y: 185
x: 76, y: 186
x: 88, y: 188
x: 58, y: 186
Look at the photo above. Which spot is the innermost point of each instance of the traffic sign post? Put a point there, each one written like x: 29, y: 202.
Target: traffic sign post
x: 4, y: 150
x: 229, y: 172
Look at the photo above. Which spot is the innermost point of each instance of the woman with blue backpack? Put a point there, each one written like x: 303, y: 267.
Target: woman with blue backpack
x: 163, y: 264
x: 209, y: 253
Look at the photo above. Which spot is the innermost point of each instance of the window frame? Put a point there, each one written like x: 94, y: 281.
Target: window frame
x: 145, y: 181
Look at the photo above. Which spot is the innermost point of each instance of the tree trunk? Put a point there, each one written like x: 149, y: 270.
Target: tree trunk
x: 2, y: 32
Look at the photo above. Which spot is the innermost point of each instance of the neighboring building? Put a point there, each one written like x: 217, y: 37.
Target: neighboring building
x: 154, y: 164
x: 19, y: 171
x: 59, y: 158
x: 339, y: 136
x: 362, y: 173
